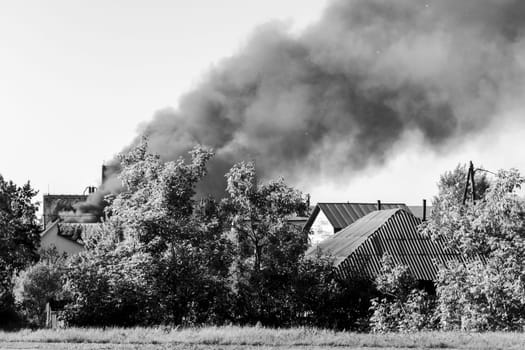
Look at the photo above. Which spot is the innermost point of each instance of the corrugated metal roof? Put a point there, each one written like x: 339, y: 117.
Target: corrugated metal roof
x: 341, y: 215
x: 359, y: 248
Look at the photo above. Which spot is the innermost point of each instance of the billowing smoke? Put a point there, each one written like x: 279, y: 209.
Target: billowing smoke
x: 341, y: 95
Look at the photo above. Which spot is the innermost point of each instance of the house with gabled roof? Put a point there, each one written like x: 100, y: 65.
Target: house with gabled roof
x: 67, y: 238
x: 52, y: 238
x: 64, y: 228
x: 329, y: 218
x: 358, y: 249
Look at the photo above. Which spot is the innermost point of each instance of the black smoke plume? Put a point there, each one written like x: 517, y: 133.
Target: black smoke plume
x: 343, y: 93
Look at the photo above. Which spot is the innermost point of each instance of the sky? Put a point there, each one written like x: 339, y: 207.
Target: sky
x: 78, y: 78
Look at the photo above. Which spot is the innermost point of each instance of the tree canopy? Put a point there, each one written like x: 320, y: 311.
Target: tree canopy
x: 19, y: 235
x: 486, y: 291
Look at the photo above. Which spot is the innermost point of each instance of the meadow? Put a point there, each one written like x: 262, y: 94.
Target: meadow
x: 233, y: 337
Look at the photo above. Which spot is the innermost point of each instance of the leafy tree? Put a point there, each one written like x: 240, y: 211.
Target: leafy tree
x: 485, y: 291
x: 110, y: 284
x: 163, y: 257
x: 453, y: 183
x: 19, y: 238
x: 259, y: 215
x: 270, y: 271
x: 323, y: 299
x: 489, y: 227
x: 38, y: 285
x: 159, y: 213
x: 401, y: 307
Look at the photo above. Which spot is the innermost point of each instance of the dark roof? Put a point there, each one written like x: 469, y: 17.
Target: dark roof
x: 341, y: 215
x: 359, y: 248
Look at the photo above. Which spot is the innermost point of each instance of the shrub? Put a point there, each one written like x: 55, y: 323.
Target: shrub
x: 401, y: 307
x: 36, y: 286
x: 481, y: 296
x: 487, y: 291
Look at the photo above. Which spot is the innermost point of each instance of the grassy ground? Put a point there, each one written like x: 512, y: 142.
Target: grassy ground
x: 249, y: 338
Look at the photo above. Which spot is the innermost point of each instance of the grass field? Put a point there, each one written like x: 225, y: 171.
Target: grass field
x: 249, y: 338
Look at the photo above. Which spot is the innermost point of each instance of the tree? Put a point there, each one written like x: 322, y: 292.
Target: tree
x: 110, y: 284
x: 19, y: 238
x: 490, y: 283
x: 269, y: 266
x: 259, y: 215
x: 401, y: 306
x: 490, y: 226
x: 454, y: 182
x: 36, y: 286
x: 167, y: 249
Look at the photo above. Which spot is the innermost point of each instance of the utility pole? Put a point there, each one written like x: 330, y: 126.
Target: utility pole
x: 470, y: 178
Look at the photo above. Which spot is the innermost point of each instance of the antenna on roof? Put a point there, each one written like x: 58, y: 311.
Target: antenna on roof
x: 378, y: 204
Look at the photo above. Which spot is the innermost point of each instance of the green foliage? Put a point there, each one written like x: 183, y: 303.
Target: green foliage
x: 269, y: 267
x: 196, y: 270
x: 401, y: 307
x: 453, y: 183
x: 491, y: 226
x: 259, y: 215
x: 481, y: 296
x: 394, y: 280
x: 161, y: 257
x: 37, y: 285
x: 19, y: 239
x: 487, y: 291
x: 110, y: 285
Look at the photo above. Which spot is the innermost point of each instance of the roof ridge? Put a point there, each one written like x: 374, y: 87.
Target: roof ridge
x: 369, y: 217
x: 394, y: 210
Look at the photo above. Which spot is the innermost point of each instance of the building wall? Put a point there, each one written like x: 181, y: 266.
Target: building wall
x: 50, y: 239
x: 321, y: 229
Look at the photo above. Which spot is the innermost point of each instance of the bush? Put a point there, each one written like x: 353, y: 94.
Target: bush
x: 481, y: 296
x: 110, y: 285
x: 487, y: 291
x: 402, y: 308
x: 36, y: 286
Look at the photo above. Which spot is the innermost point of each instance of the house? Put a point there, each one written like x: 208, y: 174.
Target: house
x: 64, y: 207
x: 60, y: 206
x: 329, y: 218
x: 63, y: 226
x: 358, y: 249
x: 68, y: 238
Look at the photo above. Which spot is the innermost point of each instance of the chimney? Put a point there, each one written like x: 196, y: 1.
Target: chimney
x: 424, y: 210
x: 378, y: 204
x: 103, y: 173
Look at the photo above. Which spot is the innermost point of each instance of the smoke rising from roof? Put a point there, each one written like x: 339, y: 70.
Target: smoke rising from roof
x: 342, y: 94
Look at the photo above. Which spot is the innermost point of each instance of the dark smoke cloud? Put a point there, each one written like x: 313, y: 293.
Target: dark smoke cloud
x: 95, y: 203
x: 341, y: 95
